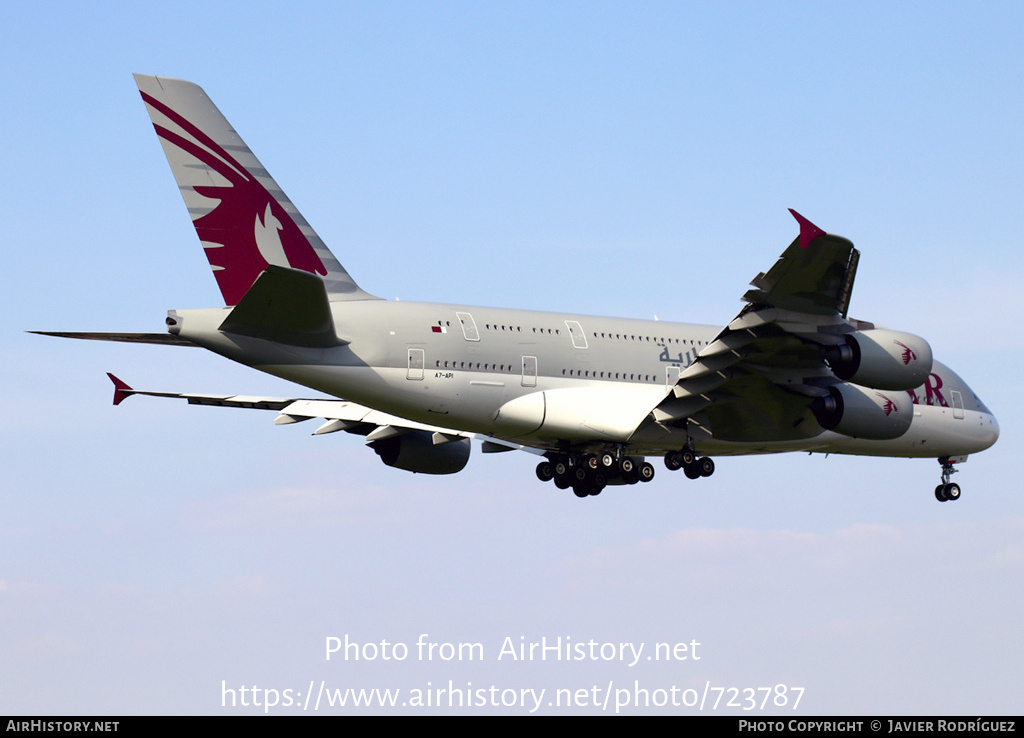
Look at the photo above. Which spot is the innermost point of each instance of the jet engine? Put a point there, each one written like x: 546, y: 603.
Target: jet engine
x: 881, y: 359
x: 861, y: 412
x: 416, y: 451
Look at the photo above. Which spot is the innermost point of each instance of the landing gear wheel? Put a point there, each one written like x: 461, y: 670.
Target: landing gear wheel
x: 646, y: 471
x: 627, y: 465
x: 545, y: 471
x: 588, y: 488
x: 606, y: 460
x: 687, y: 457
x: 691, y: 471
x: 952, y: 491
x: 706, y: 467
x: 673, y: 460
x: 940, y: 493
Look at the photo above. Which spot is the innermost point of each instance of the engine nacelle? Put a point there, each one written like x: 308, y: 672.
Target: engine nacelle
x: 882, y: 359
x: 860, y: 412
x: 416, y: 451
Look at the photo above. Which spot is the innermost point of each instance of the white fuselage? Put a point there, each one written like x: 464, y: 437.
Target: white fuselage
x: 498, y: 372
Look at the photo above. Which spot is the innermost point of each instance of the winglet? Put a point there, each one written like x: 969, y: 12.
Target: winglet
x: 808, y: 231
x: 121, y: 390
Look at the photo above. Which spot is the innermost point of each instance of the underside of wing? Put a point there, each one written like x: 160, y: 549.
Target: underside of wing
x: 778, y: 371
x: 401, y: 443
x: 755, y: 382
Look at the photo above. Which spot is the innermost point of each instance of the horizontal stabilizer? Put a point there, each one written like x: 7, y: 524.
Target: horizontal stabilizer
x: 165, y: 339
x: 287, y: 306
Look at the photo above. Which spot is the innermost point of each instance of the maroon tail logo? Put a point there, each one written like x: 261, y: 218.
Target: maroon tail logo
x: 249, y: 226
x: 908, y: 353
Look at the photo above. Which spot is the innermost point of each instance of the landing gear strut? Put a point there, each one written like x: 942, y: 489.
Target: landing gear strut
x: 947, y: 490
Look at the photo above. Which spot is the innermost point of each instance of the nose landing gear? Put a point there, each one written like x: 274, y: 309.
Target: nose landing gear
x: 948, y: 490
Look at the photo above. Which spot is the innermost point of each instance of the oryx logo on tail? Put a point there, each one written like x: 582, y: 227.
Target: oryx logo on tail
x: 247, y: 229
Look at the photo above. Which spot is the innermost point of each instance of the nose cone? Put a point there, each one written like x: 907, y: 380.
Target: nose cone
x: 977, y: 432
x: 974, y: 427
x: 990, y: 430
x: 986, y: 432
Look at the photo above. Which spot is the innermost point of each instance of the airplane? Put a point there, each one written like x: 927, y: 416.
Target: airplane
x: 592, y: 397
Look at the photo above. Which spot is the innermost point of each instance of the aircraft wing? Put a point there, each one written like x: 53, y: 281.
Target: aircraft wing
x: 338, y: 415
x: 756, y: 380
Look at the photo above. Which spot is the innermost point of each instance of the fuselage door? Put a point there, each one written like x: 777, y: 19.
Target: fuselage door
x: 958, y: 404
x: 529, y: 371
x: 672, y: 375
x: 417, y: 360
x: 469, y: 331
x: 579, y: 338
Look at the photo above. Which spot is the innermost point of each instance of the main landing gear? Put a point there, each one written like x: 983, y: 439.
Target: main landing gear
x: 687, y: 460
x: 947, y: 490
x: 589, y: 474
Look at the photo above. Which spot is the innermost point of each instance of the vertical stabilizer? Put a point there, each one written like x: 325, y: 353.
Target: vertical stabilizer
x: 243, y: 218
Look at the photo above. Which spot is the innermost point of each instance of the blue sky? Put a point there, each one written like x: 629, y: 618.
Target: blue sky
x: 599, y: 158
